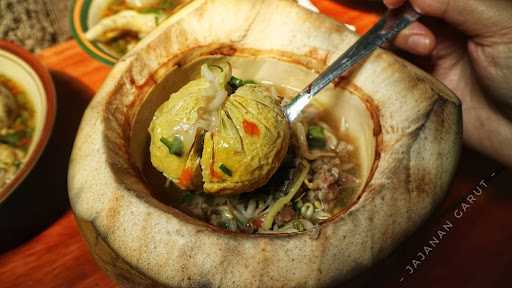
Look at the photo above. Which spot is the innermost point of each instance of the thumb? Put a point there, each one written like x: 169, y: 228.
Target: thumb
x: 473, y: 17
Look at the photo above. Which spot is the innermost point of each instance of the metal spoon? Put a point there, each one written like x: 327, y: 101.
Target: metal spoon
x: 387, y: 28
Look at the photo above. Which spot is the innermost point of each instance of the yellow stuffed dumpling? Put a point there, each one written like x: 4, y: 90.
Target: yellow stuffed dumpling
x: 204, y: 138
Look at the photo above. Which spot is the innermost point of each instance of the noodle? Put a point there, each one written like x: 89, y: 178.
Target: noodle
x: 319, y: 174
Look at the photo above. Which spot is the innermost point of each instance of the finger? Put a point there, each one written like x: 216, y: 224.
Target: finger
x: 474, y: 17
x: 394, y: 3
x: 416, y: 39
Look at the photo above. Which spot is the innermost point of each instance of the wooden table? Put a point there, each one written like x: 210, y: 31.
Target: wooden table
x: 471, y: 247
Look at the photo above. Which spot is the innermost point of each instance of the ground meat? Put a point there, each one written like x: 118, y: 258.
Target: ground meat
x: 284, y: 216
x: 348, y: 180
x: 344, y: 149
x: 324, y: 172
x: 326, y: 180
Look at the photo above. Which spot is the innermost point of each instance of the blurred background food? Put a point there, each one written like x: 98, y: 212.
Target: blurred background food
x: 16, y: 128
x: 34, y: 24
x: 118, y: 25
x: 108, y: 29
x: 38, y: 24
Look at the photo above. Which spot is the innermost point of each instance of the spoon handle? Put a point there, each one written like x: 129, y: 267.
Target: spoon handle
x: 387, y: 28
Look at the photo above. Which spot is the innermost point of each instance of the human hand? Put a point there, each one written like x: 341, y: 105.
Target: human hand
x: 471, y: 53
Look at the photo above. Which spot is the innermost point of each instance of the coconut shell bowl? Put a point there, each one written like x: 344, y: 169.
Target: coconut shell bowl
x: 406, y: 125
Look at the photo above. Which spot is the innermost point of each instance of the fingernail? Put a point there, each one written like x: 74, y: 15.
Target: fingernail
x: 391, y: 5
x: 415, y: 7
x: 420, y: 44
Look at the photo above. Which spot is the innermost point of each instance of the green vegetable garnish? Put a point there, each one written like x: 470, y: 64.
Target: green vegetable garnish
x: 12, y: 139
x: 17, y: 164
x: 236, y: 83
x: 225, y: 169
x: 187, y: 198
x: 151, y: 10
x: 316, y: 137
x: 166, y: 4
x: 175, y: 145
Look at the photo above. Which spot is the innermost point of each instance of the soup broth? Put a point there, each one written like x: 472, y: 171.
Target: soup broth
x: 322, y: 164
x: 16, y: 128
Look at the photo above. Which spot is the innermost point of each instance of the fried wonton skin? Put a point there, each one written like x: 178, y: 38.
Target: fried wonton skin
x: 225, y: 144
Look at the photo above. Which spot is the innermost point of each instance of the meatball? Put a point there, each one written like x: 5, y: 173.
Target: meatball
x: 8, y: 108
x: 231, y: 143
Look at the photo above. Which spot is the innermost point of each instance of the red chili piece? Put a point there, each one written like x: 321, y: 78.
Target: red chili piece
x: 251, y: 128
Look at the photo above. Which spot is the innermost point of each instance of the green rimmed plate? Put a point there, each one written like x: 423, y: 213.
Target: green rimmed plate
x: 85, y: 13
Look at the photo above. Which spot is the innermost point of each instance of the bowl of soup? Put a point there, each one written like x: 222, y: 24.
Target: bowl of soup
x: 185, y: 174
x: 27, y: 111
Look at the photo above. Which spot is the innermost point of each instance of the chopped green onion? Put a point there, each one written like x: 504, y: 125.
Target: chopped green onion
x: 175, y: 146
x: 316, y: 137
x: 187, y: 198
x: 12, y: 139
x: 17, y: 164
x: 151, y: 10
x: 166, y: 4
x: 236, y: 83
x: 225, y: 169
